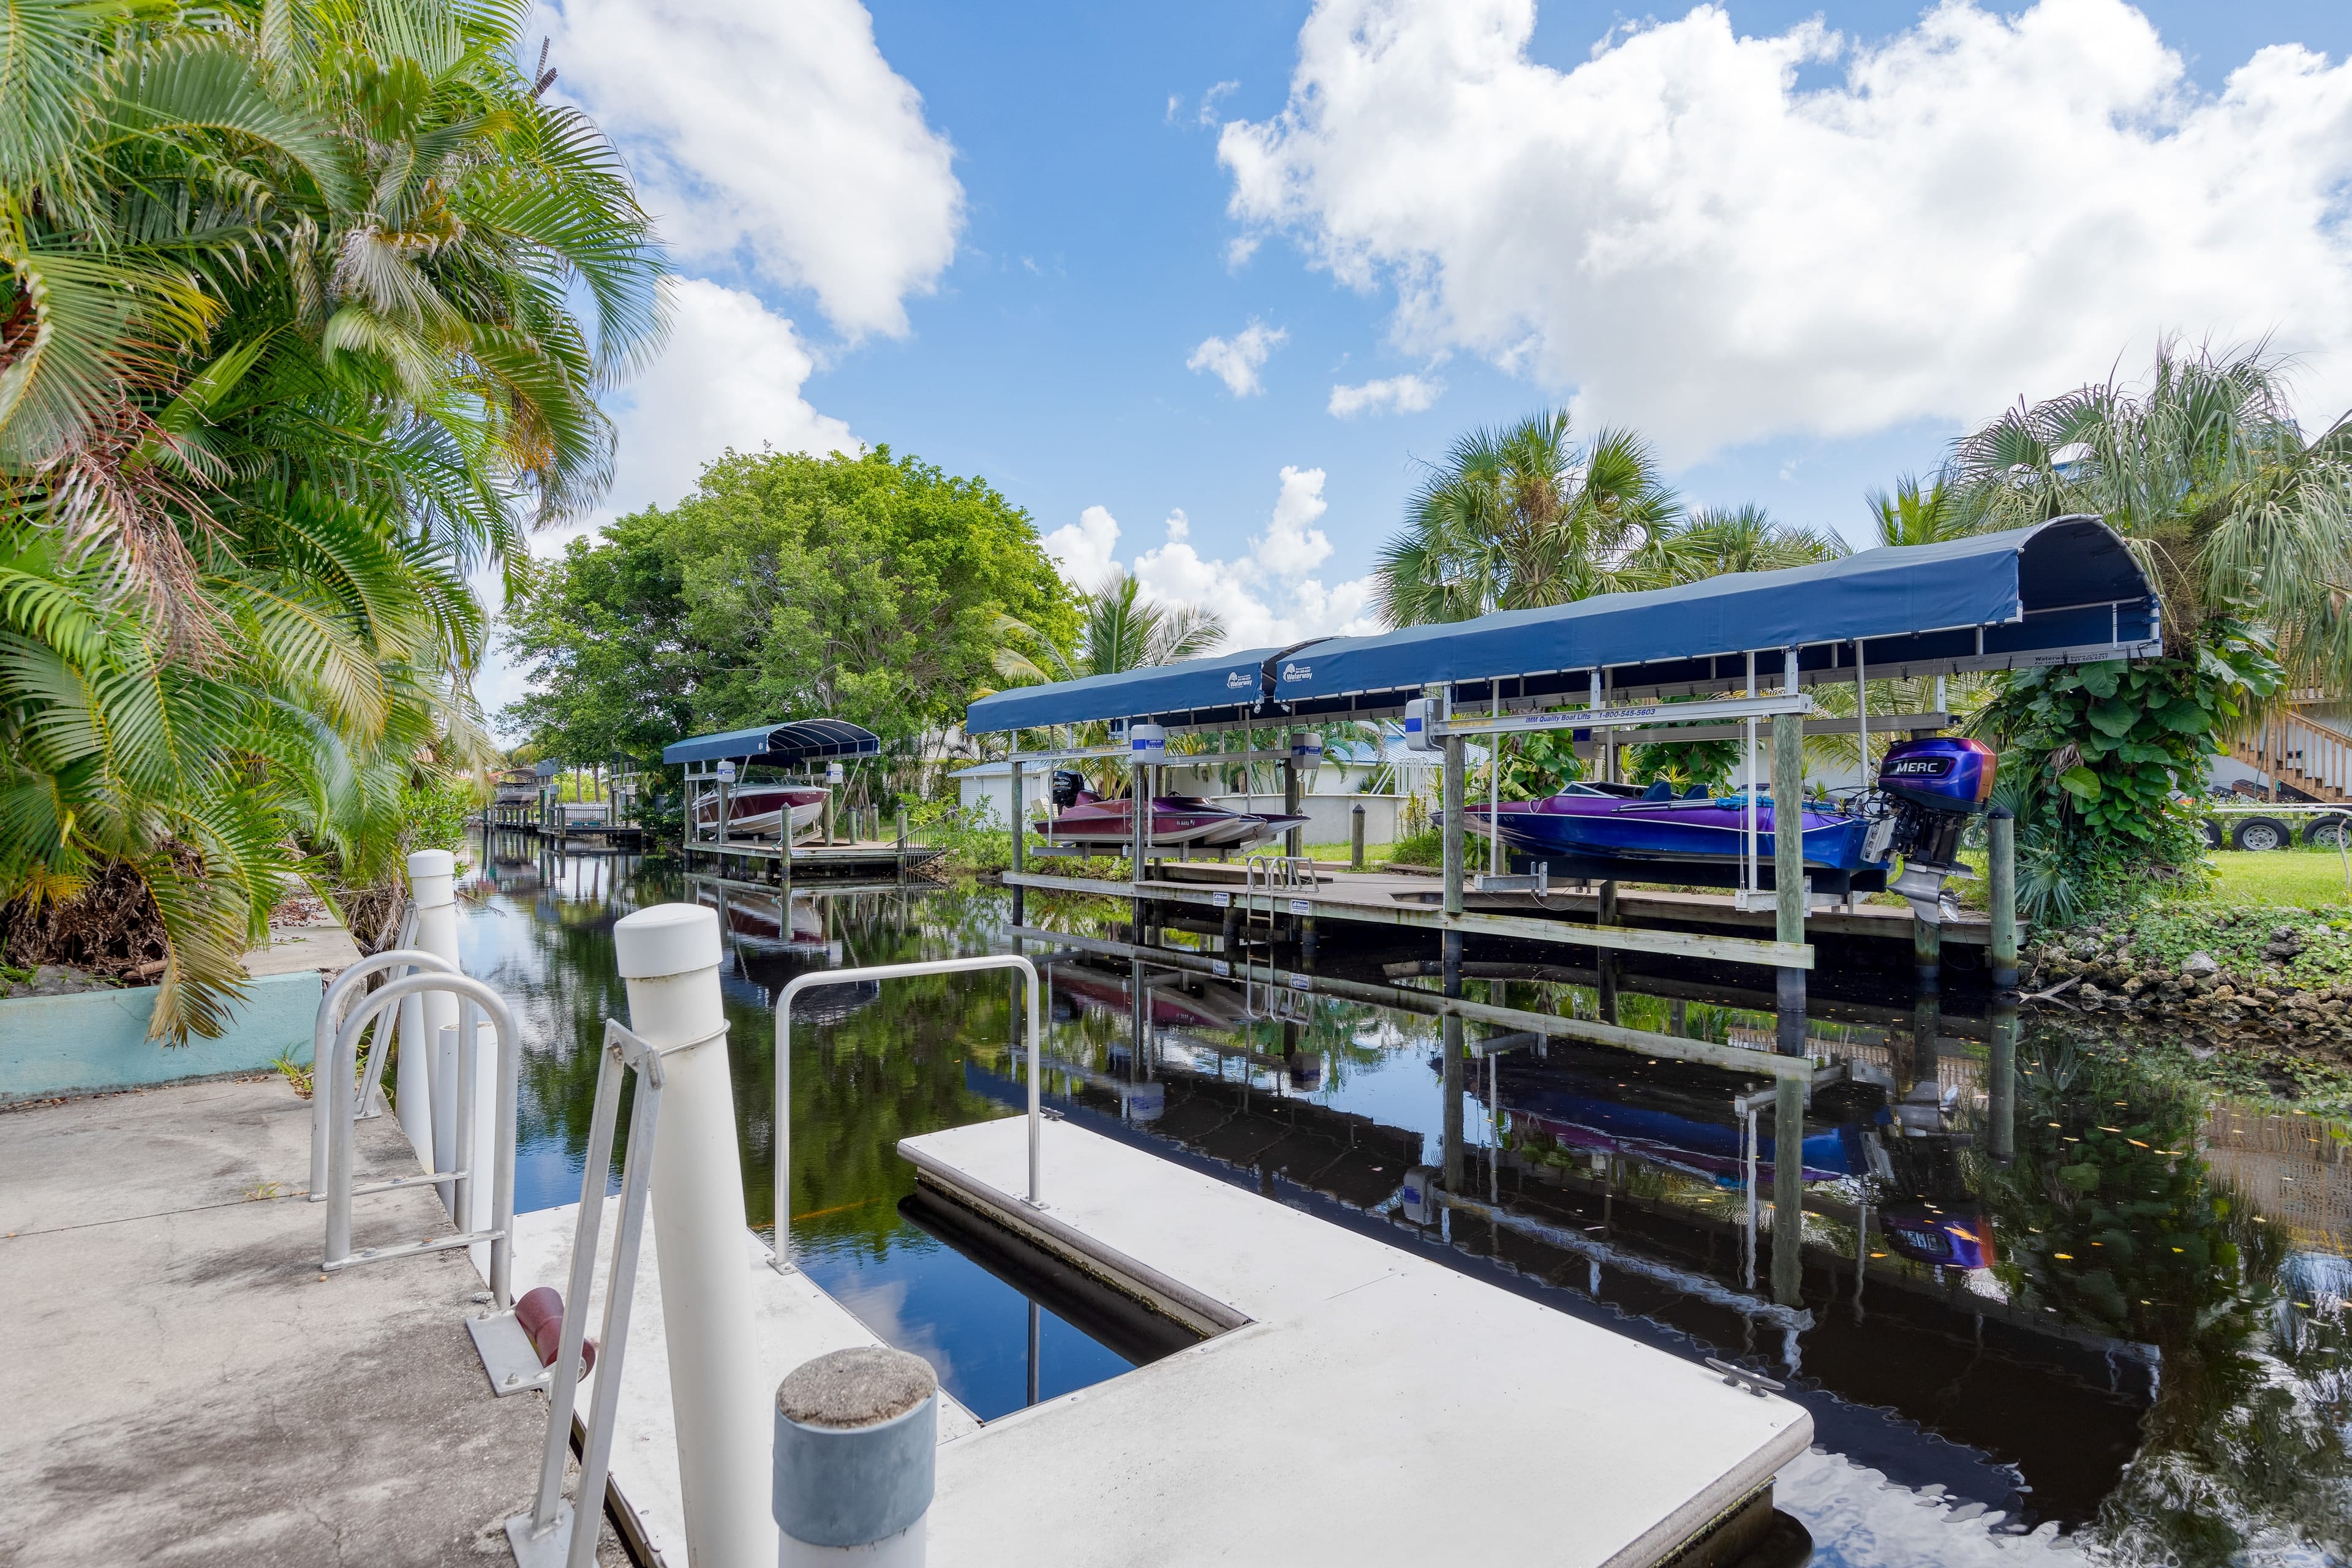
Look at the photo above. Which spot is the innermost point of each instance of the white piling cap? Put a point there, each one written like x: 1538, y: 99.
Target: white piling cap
x: 431, y: 873
x: 666, y: 940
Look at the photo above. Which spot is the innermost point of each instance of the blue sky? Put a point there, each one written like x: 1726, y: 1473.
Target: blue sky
x: 1795, y: 246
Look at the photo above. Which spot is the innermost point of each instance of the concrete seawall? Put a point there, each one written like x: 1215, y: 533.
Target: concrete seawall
x: 94, y: 1041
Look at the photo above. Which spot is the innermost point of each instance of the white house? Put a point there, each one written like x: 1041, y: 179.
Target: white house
x: 1332, y: 790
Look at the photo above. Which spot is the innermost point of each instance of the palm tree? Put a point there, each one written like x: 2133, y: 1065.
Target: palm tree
x: 1713, y: 540
x: 2205, y: 471
x: 1912, y: 515
x: 1117, y: 631
x: 1520, y: 517
x: 288, y: 343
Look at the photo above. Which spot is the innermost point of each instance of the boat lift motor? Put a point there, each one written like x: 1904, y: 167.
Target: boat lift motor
x: 1927, y: 790
x: 1419, y: 714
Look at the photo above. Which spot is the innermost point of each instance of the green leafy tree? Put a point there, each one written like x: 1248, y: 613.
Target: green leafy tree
x: 865, y: 587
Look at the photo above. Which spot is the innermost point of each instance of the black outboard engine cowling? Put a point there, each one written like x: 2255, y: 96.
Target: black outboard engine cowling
x: 1927, y: 791
x: 1064, y: 788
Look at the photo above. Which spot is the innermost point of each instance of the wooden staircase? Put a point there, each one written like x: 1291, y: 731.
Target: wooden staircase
x: 2303, y: 754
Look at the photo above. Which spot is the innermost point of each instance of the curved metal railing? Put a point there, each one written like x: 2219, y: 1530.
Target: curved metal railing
x: 783, y: 1127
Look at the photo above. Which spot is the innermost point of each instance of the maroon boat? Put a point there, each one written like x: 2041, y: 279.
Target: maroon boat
x: 760, y: 811
x: 1177, y: 820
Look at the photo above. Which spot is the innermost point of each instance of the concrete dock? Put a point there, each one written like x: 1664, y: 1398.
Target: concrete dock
x: 1349, y: 1396
x: 182, y: 1385
x: 793, y: 1321
x: 1365, y: 1396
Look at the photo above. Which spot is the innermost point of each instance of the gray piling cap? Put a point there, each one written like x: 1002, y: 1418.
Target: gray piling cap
x: 859, y: 1387
x: 857, y: 1444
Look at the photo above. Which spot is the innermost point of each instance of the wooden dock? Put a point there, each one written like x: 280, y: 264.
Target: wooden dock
x: 1391, y: 900
x: 766, y: 862
x: 1642, y: 906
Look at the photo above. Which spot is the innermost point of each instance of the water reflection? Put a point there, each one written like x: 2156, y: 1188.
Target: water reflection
x: 2038, y: 1295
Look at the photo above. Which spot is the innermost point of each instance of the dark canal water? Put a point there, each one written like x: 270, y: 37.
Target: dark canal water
x: 2111, y: 1321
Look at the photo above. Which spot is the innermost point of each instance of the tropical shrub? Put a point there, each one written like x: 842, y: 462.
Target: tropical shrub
x: 2096, y: 758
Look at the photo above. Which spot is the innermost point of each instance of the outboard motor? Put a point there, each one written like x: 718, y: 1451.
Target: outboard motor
x: 1927, y: 791
x: 1068, y: 784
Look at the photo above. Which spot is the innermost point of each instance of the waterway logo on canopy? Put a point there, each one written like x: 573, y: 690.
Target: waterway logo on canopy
x: 1298, y: 672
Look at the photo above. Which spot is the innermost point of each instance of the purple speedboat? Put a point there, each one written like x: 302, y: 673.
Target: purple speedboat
x: 1594, y: 822
x: 1928, y: 788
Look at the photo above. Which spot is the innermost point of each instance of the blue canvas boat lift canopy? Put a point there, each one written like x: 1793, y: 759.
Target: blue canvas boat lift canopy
x: 2067, y: 591
x: 793, y: 744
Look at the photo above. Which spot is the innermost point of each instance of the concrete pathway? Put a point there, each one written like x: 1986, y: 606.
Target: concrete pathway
x: 183, y: 1387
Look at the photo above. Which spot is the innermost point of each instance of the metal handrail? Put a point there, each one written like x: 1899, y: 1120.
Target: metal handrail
x: 782, y: 1134
x: 322, y: 1042
x: 552, y: 1525
x: 475, y: 999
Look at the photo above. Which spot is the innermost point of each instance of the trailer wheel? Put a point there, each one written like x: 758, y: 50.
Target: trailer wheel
x: 2326, y: 832
x: 2211, y: 830
x: 2261, y: 833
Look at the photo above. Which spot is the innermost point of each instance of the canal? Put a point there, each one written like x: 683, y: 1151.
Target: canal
x: 2050, y: 1301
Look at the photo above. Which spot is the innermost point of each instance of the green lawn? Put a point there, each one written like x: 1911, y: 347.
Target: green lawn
x: 2307, y: 879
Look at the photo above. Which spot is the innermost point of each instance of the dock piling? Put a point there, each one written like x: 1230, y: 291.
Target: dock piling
x: 857, y: 1440
x: 2000, y: 1100
x: 2001, y: 831
x: 1789, y: 865
x: 1020, y: 833
x: 1453, y: 789
x: 1356, y: 837
x: 1927, y: 954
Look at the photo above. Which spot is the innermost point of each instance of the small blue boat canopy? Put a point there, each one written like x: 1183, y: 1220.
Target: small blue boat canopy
x: 784, y: 745
x: 1216, y: 689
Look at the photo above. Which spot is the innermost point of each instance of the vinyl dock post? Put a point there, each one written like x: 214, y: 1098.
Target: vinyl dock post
x: 1789, y: 908
x: 1453, y: 825
x: 669, y: 958
x: 1294, y: 842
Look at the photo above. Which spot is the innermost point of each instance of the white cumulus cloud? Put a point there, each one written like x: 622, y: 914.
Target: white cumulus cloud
x: 731, y: 377
x: 1396, y: 395
x: 775, y: 138
x: 1235, y: 361
x: 1979, y: 208
x: 1084, y: 550
x: 1267, y: 598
